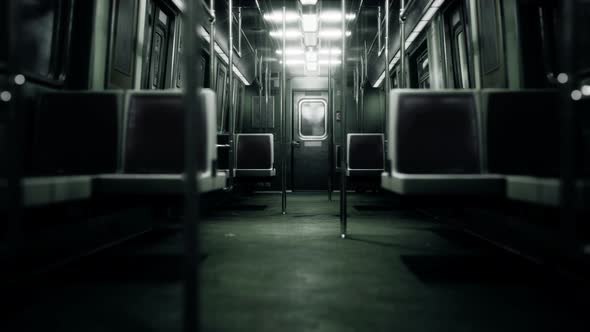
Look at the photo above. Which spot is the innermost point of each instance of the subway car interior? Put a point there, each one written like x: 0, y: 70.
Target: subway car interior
x: 294, y: 165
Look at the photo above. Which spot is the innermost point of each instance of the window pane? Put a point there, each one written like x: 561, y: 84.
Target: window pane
x: 313, y: 119
x: 37, y: 36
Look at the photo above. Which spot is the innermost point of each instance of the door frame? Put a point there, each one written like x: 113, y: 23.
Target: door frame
x: 293, y: 129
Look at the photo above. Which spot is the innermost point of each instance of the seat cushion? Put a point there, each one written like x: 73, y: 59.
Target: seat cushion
x: 456, y: 184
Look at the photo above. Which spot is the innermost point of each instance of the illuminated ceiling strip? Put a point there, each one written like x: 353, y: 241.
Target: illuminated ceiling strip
x: 413, y: 36
x: 334, y: 16
x: 277, y: 17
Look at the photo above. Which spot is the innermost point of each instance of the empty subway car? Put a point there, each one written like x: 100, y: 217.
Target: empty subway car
x: 300, y: 165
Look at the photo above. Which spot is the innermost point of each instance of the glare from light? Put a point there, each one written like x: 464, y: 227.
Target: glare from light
x: 309, y: 2
x: 576, y: 95
x: 311, y: 66
x: 311, y: 56
x: 330, y: 62
x: 292, y: 51
x: 562, y: 78
x: 309, y: 23
x: 333, y: 51
x: 5, y: 96
x: 294, y: 62
x: 19, y: 79
x: 334, y: 16
x: 333, y: 33
x: 586, y: 90
x: 289, y: 34
x: 277, y: 17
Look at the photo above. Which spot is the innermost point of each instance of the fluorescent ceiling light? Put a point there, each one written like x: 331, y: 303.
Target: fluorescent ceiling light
x: 277, y: 16
x: 294, y: 62
x: 311, y: 56
x: 333, y: 33
x: 335, y: 16
x: 311, y: 66
x: 292, y: 51
x: 437, y: 3
x: 310, y: 39
x: 330, y: 62
x: 379, y: 80
x: 289, y: 34
x: 309, y: 23
x: 308, y: 2
x: 334, y: 51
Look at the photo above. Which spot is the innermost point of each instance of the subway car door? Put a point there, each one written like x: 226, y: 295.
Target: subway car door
x: 311, y: 141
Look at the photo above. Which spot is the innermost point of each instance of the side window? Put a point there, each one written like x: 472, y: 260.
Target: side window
x: 157, y: 40
x: 122, y: 69
x: 395, y: 77
x: 420, y: 67
x: 43, y: 36
x: 456, y: 41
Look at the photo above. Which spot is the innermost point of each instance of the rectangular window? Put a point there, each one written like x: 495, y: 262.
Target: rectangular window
x: 312, y: 119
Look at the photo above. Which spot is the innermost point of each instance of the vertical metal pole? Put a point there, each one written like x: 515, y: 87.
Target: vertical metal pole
x: 568, y: 128
x: 387, y: 73
x: 212, y: 55
x: 260, y: 89
x: 230, y: 75
x: 283, y: 117
x: 330, y: 127
x: 402, y: 48
x: 191, y: 195
x: 343, y: 144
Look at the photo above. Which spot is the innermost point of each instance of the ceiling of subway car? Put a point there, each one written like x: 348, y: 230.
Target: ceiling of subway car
x: 313, y: 32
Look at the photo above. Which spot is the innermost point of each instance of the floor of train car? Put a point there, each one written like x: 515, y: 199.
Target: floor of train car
x: 262, y: 271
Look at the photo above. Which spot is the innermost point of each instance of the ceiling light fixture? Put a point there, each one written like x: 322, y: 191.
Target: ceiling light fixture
x: 289, y: 34
x: 277, y: 17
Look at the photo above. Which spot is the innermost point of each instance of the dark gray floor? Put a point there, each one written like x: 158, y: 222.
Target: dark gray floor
x: 398, y: 271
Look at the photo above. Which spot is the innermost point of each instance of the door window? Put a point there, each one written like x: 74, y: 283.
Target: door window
x: 312, y: 119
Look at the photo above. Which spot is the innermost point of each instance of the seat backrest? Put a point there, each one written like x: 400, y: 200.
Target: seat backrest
x: 365, y: 152
x: 155, y: 132
x: 522, y: 131
x: 434, y: 132
x: 76, y: 133
x: 254, y: 151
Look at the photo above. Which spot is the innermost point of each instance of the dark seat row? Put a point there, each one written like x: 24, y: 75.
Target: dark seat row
x: 494, y: 142
x: 88, y: 143
x: 254, y: 155
x: 365, y: 156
